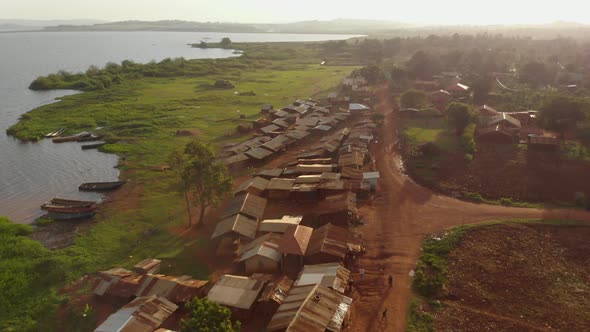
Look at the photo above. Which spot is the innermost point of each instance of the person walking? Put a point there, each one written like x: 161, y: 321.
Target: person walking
x: 384, y: 316
x: 390, y: 281
x: 362, y: 272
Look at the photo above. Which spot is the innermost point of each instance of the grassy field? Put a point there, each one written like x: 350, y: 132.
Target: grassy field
x: 140, y: 118
x: 509, y: 275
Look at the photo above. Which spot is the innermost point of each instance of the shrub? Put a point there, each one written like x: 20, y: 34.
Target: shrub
x: 429, y: 149
x: 468, y: 140
x: 580, y: 199
x: 468, y: 157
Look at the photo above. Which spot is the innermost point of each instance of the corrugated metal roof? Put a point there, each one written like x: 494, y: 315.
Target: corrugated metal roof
x: 247, y: 204
x: 258, y: 153
x: 257, y: 183
x: 489, y: 121
x: 281, y: 123
x: 323, y: 127
x: 337, y: 203
x: 279, y: 225
x: 281, y: 113
x: 280, y: 184
x: 329, y: 239
x: 235, y: 159
x: 298, y: 134
x: 117, y: 282
x: 140, y: 315
x: 238, y: 224
x: 314, y: 168
x: 295, y: 240
x: 270, y: 173
x: 276, y: 290
x: 270, y: 128
x: 148, y: 265
x: 311, y: 309
x: 331, y: 275
x: 175, y: 289
x: 355, y: 158
x: 271, y: 238
x: 277, y: 143
x: 265, y: 249
x: 236, y: 291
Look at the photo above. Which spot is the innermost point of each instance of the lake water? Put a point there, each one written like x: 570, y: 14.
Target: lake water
x: 32, y: 173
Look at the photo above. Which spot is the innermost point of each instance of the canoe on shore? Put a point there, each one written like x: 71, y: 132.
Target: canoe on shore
x: 70, y: 216
x: 101, y: 186
x: 55, y: 133
x: 93, y: 146
x: 68, y: 209
x: 70, y: 202
x: 72, y: 138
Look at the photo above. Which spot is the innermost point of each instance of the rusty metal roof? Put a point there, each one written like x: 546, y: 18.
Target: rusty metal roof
x: 148, y: 265
x: 235, y: 159
x: 354, y: 158
x: 281, y: 123
x: 295, y: 240
x: 277, y: 143
x: 337, y: 203
x: 256, y: 182
x: 239, y: 224
x: 140, y: 315
x: 175, y: 289
x: 258, y: 153
x: 314, y: 168
x: 236, y: 291
x: 117, y: 282
x: 298, y: 134
x: 279, y: 225
x: 270, y: 173
x: 280, y: 184
x: 270, y: 128
x: 311, y: 309
x: 329, y: 239
x: 331, y: 275
x: 247, y: 204
x: 276, y: 290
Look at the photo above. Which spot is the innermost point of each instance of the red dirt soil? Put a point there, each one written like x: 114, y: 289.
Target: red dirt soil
x: 401, y: 214
x: 517, y: 277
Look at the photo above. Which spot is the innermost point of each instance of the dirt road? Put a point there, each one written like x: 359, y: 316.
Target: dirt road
x: 401, y: 214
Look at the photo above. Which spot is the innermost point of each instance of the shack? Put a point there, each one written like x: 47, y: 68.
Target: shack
x: 237, y: 225
x: 175, y: 289
x: 293, y: 246
x: 248, y: 205
x: 148, y: 265
x: 263, y: 257
x: 330, y: 243
x: 330, y: 275
x: 279, y: 188
x: 142, y: 314
x: 313, y: 308
x: 337, y: 209
x: 117, y: 282
x: 279, y: 225
x: 236, y: 291
x: 256, y: 186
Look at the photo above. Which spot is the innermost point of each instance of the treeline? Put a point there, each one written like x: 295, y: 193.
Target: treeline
x: 255, y: 56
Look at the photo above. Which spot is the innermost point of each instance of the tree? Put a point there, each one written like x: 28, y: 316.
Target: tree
x: 372, y: 74
x: 412, y: 98
x: 225, y: 42
x: 536, y: 73
x: 422, y: 65
x: 481, y: 88
x: 561, y: 113
x: 460, y: 115
x: 201, y: 176
x: 204, y: 315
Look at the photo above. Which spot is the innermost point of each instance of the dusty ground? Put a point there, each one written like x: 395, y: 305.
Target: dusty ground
x: 519, y: 278
x: 398, y: 219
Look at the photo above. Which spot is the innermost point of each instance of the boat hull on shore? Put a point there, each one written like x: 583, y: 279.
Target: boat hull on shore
x: 70, y: 216
x: 101, y: 186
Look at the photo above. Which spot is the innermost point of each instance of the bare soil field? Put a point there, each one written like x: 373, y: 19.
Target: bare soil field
x: 518, y: 277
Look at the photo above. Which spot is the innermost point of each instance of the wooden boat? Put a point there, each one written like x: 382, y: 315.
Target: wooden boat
x: 93, y: 146
x: 72, y: 138
x: 71, y: 202
x: 90, y: 138
x: 101, y: 186
x: 56, y: 133
x: 70, y: 216
x: 68, y: 209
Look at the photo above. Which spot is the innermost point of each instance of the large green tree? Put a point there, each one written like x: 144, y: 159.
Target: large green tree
x: 460, y: 115
x: 203, y: 179
x: 207, y: 316
x: 412, y: 98
x: 561, y: 113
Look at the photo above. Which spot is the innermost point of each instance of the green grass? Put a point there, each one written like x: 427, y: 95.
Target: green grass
x: 418, y: 320
x: 140, y: 118
x: 423, y: 130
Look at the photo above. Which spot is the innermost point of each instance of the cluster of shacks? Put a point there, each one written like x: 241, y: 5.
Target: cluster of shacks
x: 280, y: 130
x: 290, y: 233
x: 288, y: 230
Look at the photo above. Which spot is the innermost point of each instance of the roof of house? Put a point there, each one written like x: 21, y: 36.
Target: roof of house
x: 370, y: 175
x: 358, y: 107
x: 279, y: 225
x: 175, y: 289
x: 118, y: 282
x: 329, y: 239
x: 277, y: 143
x: 147, y: 265
x: 276, y: 289
x: 281, y: 123
x: 280, y: 184
x: 270, y: 237
x: 331, y: 275
x: 351, y: 173
x: 441, y: 91
x: 235, y: 159
x: 322, y: 127
x: 488, y: 109
x: 311, y: 309
x: 236, y: 291
x: 354, y: 158
x: 256, y: 182
x: 489, y: 121
x: 270, y: 128
x: 314, y: 168
x: 295, y: 240
x: 239, y: 224
x: 458, y: 87
x: 309, y: 122
x: 258, y: 153
x: 281, y: 113
x: 298, y: 134
x: 247, y: 204
x: 543, y: 140
x: 140, y: 315
x: 337, y: 203
x: 268, y: 249
x: 492, y: 130
x: 270, y: 173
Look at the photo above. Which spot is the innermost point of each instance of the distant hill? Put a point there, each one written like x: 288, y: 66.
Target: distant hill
x: 23, y: 25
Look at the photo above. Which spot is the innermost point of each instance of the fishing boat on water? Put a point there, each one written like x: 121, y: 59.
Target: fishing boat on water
x: 70, y: 216
x: 72, y: 138
x: 93, y: 146
x: 90, y: 138
x: 68, y: 209
x: 101, y: 186
x: 55, y: 133
x: 70, y: 202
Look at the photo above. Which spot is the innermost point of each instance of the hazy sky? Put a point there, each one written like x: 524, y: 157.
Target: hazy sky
x: 414, y: 11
